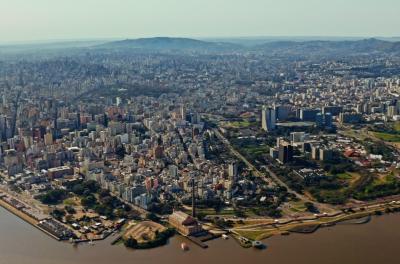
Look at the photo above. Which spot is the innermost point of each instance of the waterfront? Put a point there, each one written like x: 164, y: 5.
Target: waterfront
x: 20, y: 243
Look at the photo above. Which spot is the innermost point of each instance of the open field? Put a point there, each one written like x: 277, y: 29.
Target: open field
x: 239, y: 124
x: 396, y: 126
x: 387, y: 136
x: 344, y: 176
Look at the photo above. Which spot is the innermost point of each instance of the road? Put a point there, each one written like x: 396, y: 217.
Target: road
x: 273, y: 179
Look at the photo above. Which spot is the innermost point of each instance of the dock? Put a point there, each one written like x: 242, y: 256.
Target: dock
x: 197, y: 241
x: 27, y: 218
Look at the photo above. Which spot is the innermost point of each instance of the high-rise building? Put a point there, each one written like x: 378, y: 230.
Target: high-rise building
x: 323, y: 120
x: 315, y: 152
x: 285, y: 152
x: 319, y: 120
x: 118, y: 101
x: 328, y: 119
x: 298, y: 137
x: 350, y: 118
x: 48, y: 139
x: 325, y: 154
x: 268, y: 118
x: 334, y: 110
x: 233, y: 170
x: 309, y: 114
x: 392, y: 111
x: 282, y: 112
x: 173, y: 171
x: 195, y: 118
x: 183, y: 112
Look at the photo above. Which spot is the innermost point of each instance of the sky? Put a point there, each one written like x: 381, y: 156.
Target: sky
x: 37, y: 20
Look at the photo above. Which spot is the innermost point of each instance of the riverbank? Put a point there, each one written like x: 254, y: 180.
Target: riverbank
x: 27, y: 218
x: 20, y: 214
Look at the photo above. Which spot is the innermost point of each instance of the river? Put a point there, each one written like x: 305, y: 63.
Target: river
x: 375, y: 242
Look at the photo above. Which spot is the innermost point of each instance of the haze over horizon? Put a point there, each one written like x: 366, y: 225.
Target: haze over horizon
x: 43, y: 20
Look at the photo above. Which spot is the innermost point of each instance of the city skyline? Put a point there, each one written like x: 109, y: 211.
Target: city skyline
x: 46, y: 20
x: 207, y: 131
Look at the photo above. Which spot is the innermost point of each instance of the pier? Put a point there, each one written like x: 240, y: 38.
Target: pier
x: 197, y: 241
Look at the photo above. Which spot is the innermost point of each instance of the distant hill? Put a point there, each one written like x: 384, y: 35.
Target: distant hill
x: 331, y: 47
x: 283, y: 47
x: 166, y: 43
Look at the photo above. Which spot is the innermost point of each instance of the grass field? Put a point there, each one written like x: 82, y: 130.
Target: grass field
x: 344, y: 176
x: 396, y: 126
x: 387, y: 136
x: 256, y: 234
x: 383, y: 179
x: 297, y: 207
x: 71, y: 201
x: 256, y: 150
x: 240, y: 124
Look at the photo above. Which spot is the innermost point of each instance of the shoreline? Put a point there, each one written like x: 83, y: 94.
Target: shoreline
x: 26, y: 218
x: 246, y: 234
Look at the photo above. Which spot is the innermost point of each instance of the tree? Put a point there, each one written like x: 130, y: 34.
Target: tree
x: 88, y: 201
x: 130, y: 242
x: 310, y: 207
x: 53, y: 196
x: 58, y: 214
x: 78, y: 189
x: 104, y: 193
x: 152, y: 217
x: 70, y: 209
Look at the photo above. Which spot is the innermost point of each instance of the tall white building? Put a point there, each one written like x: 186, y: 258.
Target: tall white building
x: 233, y: 170
x: 268, y: 118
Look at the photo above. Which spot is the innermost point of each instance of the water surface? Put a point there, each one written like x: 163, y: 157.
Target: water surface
x: 375, y: 242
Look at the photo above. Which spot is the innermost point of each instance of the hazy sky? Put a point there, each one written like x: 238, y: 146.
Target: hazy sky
x: 26, y: 20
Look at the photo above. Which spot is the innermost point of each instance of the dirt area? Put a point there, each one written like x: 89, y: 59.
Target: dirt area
x: 143, y: 231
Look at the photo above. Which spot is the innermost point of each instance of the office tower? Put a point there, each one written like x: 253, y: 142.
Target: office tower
x: 308, y: 114
x: 315, y: 152
x: 282, y: 112
x: 118, y: 101
x: 325, y: 154
x: 285, y: 152
x: 328, y: 119
x: 183, y: 112
x: 350, y: 118
x: 195, y: 118
x: 391, y: 111
x: 334, y: 110
x: 319, y: 120
x: 173, y: 171
x: 268, y: 118
x: 233, y: 170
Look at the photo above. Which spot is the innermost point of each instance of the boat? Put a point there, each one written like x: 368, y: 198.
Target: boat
x: 184, y: 246
x: 91, y: 243
x: 225, y: 236
x: 257, y: 244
